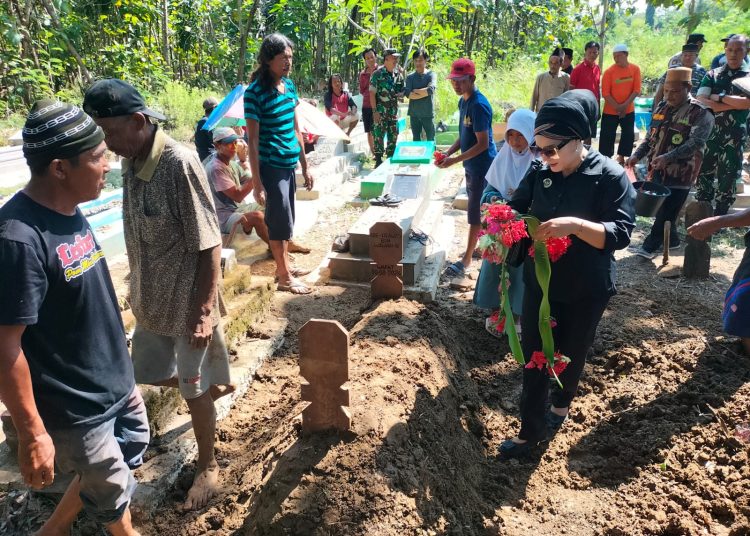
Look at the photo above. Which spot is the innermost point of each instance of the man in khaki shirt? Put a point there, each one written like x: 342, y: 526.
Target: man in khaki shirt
x: 174, y: 250
x: 549, y: 84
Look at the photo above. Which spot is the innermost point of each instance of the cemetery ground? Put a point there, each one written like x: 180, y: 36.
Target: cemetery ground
x: 650, y: 448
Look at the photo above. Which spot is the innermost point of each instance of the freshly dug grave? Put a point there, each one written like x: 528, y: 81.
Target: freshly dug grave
x: 650, y: 447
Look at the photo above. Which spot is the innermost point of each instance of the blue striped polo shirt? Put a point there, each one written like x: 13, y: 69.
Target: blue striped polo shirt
x: 274, y: 112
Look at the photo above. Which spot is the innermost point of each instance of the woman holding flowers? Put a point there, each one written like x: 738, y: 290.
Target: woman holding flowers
x: 505, y: 174
x: 580, y: 194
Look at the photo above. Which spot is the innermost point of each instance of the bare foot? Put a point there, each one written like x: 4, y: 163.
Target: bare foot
x: 52, y: 531
x: 217, y: 391
x: 205, y: 486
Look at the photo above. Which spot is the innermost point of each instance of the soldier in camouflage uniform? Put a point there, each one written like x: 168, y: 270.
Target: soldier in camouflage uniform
x: 674, y: 147
x: 386, y: 89
x: 723, y: 158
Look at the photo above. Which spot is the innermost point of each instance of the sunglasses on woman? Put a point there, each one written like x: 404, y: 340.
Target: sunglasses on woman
x: 552, y: 150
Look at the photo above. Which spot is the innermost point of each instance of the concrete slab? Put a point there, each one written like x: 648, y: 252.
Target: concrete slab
x: 461, y: 201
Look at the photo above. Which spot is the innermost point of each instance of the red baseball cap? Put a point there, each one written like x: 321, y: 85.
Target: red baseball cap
x: 462, y: 68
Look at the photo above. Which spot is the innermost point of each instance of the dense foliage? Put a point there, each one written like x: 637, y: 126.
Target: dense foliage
x: 177, y: 51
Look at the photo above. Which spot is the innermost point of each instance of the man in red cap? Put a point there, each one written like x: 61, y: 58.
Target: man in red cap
x: 477, y: 150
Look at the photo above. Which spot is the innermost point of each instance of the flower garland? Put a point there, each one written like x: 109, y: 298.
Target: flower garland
x: 501, y: 229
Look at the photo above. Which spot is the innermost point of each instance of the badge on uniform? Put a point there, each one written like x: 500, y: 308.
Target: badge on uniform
x: 677, y: 139
x: 547, y: 182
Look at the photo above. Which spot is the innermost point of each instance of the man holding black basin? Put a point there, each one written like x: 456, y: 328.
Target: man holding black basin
x: 674, y: 147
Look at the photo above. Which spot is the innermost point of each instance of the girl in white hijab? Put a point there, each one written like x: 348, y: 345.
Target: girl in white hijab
x: 505, y: 173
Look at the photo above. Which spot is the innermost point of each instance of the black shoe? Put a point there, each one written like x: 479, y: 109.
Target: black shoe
x: 554, y: 422
x: 510, y: 449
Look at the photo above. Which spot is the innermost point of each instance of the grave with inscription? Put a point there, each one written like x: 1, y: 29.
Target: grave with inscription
x: 386, y: 252
x: 324, y: 363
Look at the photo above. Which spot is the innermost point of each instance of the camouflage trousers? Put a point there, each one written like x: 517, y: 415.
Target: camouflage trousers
x: 389, y: 128
x: 723, y: 161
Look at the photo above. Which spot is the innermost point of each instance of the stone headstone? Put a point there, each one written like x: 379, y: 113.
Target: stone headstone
x: 386, y: 251
x: 697, y: 261
x: 324, y: 363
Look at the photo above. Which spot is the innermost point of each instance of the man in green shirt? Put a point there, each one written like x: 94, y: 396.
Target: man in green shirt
x: 386, y: 89
x: 723, y: 158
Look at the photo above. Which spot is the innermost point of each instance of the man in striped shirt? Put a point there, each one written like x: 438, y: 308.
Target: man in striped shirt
x: 274, y: 145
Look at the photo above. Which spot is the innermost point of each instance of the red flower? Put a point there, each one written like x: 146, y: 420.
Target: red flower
x: 556, y: 247
x: 438, y: 156
x: 500, y: 211
x: 498, y: 322
x: 513, y: 231
x: 539, y: 361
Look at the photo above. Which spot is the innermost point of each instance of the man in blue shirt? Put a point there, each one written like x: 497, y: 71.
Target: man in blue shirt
x: 65, y: 373
x: 477, y: 150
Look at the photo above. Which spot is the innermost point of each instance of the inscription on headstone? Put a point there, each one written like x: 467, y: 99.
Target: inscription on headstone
x: 697, y: 261
x: 324, y: 363
x: 386, y: 251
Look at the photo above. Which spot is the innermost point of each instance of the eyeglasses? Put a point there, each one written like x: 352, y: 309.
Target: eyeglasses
x: 552, y: 150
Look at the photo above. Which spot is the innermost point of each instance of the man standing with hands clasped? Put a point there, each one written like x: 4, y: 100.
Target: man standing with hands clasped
x: 621, y: 84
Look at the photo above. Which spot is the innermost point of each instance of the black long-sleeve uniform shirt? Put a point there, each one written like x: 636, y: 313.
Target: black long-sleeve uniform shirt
x: 598, y: 191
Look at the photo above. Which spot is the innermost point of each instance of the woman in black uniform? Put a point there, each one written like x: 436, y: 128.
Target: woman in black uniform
x: 580, y: 193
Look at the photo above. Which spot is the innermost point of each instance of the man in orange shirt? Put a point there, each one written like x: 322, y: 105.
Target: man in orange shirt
x: 621, y: 84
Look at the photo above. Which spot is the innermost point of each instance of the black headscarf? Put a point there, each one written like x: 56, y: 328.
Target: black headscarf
x: 587, y: 100
x: 562, y: 119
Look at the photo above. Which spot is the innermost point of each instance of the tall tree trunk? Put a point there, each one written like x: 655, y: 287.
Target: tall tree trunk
x: 165, y: 31
x: 219, y: 70
x: 319, y: 68
x: 603, y: 32
x: 347, y: 68
x: 244, y: 33
x: 73, y: 52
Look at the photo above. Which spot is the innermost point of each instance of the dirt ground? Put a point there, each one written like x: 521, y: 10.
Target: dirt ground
x: 650, y: 447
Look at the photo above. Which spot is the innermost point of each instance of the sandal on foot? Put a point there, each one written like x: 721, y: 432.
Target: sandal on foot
x: 295, y: 287
x: 554, y: 422
x: 509, y: 449
x: 293, y: 247
x: 455, y: 270
x: 294, y: 272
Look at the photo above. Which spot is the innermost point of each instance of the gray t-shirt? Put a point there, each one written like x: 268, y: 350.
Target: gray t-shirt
x: 424, y: 107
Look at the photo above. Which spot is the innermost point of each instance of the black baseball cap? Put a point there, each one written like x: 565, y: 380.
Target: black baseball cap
x: 690, y: 47
x: 696, y: 38
x: 391, y: 52
x: 113, y: 98
x: 727, y: 38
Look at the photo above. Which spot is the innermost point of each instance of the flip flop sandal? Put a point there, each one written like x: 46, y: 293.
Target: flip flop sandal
x: 386, y: 200
x: 295, y: 272
x: 295, y: 287
x: 455, y: 270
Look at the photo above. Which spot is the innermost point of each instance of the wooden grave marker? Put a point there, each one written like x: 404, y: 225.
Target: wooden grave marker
x: 386, y: 251
x: 324, y: 363
x: 697, y: 263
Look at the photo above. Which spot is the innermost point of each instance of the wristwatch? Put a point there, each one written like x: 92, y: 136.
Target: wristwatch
x: 722, y: 95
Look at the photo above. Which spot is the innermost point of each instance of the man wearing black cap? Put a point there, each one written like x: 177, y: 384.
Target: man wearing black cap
x: 203, y: 142
x: 693, y: 39
x: 567, y: 65
x: 721, y: 59
x: 174, y: 250
x: 386, y: 89
x: 65, y: 373
x: 689, y: 56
